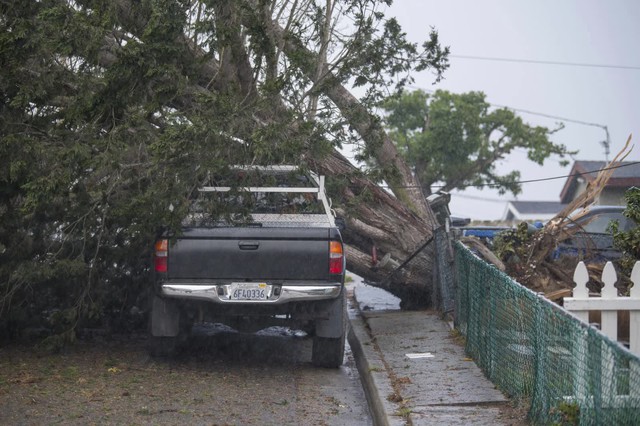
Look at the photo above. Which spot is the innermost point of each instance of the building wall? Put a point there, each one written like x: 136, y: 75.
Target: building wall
x: 612, y: 196
x: 580, y: 188
x: 608, y: 197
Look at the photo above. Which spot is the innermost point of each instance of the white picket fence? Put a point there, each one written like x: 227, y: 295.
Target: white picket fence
x: 608, y: 303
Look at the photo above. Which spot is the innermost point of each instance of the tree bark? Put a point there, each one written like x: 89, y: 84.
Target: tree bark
x: 386, y: 226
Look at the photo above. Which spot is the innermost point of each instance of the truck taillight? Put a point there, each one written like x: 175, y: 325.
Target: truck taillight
x: 336, y: 257
x: 160, y: 259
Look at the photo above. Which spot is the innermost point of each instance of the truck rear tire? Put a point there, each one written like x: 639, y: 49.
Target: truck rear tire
x: 327, y: 352
x: 170, y: 328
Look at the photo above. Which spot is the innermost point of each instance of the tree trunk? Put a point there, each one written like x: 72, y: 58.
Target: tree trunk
x: 385, y: 226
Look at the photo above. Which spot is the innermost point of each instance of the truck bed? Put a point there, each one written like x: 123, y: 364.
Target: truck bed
x: 251, y: 253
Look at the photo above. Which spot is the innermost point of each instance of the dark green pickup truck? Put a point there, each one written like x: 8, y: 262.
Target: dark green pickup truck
x: 284, y: 266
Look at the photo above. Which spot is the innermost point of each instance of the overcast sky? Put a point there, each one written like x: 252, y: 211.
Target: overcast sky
x: 575, y: 31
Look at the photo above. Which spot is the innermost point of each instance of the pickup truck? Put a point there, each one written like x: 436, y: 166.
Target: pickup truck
x: 594, y: 240
x: 274, y: 258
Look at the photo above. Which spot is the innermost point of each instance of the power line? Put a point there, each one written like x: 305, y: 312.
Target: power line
x: 494, y: 185
x: 541, y: 114
x: 473, y: 197
x: 533, y: 61
x: 491, y: 185
x: 606, y: 143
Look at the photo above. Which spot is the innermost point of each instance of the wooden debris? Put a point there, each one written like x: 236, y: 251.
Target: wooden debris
x: 475, y: 244
x: 562, y: 226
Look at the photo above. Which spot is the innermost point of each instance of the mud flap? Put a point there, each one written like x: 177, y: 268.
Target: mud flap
x: 165, y: 317
x: 333, y: 323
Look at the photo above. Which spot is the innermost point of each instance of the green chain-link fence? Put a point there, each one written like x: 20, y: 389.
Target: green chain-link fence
x: 536, y: 352
x: 445, y: 297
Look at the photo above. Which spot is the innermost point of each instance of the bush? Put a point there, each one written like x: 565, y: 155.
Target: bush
x: 628, y: 242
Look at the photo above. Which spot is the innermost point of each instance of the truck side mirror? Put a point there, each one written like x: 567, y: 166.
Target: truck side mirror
x: 341, y: 224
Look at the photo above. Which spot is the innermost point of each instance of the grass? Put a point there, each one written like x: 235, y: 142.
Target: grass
x: 458, y: 337
x: 144, y: 411
x: 110, y: 362
x: 404, y: 412
x: 70, y: 373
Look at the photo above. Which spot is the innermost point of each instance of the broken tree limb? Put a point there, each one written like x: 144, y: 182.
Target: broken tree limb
x: 401, y: 179
x: 475, y: 244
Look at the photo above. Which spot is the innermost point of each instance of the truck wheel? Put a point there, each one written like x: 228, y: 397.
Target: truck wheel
x: 170, y: 328
x: 327, y: 351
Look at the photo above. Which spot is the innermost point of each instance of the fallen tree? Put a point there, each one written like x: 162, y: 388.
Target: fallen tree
x: 114, y: 113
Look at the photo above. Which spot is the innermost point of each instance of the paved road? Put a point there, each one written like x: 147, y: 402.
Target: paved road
x: 274, y: 370
x: 224, y: 378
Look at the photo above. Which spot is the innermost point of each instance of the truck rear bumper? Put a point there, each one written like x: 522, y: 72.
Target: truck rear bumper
x: 275, y: 294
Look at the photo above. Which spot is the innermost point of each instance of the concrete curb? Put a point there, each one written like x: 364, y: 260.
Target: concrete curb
x: 368, y: 362
x: 373, y: 373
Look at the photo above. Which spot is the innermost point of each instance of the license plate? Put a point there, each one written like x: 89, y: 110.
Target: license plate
x: 249, y: 291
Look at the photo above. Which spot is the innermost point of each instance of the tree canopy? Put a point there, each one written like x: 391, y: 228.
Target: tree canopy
x: 456, y: 140
x: 112, y: 113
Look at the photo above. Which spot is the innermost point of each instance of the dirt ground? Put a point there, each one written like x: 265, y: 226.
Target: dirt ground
x: 116, y: 382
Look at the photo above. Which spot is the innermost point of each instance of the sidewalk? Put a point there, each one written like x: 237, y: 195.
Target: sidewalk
x: 416, y: 372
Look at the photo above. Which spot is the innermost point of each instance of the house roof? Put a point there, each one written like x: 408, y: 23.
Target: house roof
x: 627, y: 174
x: 532, y: 210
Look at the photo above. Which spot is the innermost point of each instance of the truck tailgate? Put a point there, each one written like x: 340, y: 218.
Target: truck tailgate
x: 251, y: 253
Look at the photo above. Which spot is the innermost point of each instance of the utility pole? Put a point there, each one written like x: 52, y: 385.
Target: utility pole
x: 606, y: 144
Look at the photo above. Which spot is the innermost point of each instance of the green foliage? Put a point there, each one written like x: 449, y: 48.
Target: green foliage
x: 511, y: 245
x: 92, y: 160
x: 628, y: 242
x: 112, y: 114
x: 568, y: 413
x: 457, y: 139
